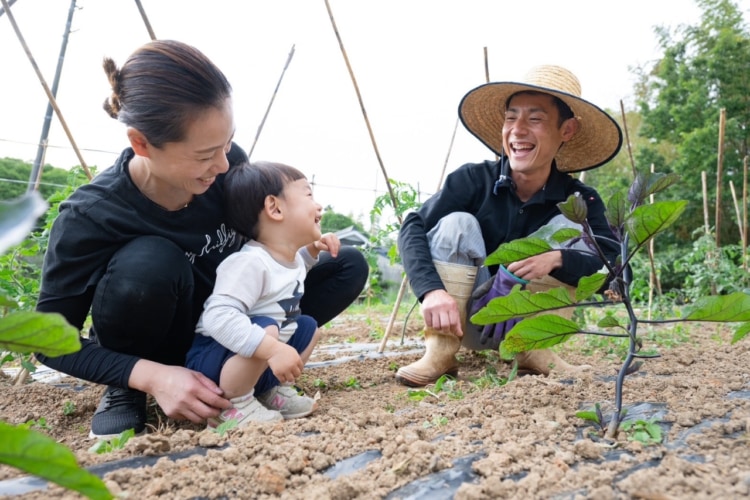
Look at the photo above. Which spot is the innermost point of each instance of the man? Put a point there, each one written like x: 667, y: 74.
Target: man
x: 541, y: 130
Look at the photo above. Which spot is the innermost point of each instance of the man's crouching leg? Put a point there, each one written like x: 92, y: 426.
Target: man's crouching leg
x: 441, y: 347
x: 539, y: 361
x: 439, y: 359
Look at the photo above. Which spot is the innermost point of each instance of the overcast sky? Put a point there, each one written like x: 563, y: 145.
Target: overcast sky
x: 413, y: 60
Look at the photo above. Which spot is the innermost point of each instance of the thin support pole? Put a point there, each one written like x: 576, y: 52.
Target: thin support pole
x: 50, y: 97
x: 394, y: 200
x: 36, y: 169
x: 627, y: 138
x: 405, y: 281
x: 737, y: 211
x: 704, y: 183
x: 719, y: 175
x: 2, y: 9
x: 653, y: 280
x: 744, y: 213
x: 145, y: 20
x: 394, y: 313
x: 273, y: 96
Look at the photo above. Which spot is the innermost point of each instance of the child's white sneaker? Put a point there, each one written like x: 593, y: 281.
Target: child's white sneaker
x: 246, y: 409
x: 286, y: 400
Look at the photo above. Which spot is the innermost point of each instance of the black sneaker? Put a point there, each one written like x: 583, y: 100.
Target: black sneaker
x: 119, y: 410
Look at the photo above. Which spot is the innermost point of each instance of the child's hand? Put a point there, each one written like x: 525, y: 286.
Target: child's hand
x: 328, y: 242
x: 285, y: 363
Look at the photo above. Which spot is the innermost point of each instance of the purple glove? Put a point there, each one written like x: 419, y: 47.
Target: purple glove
x: 499, y: 285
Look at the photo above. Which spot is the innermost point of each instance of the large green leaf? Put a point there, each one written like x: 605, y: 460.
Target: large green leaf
x: 539, y: 332
x: 589, y: 285
x: 734, y: 307
x: 648, y: 220
x: 741, y: 332
x: 617, y: 210
x: 649, y: 183
x: 554, y: 233
x: 515, y: 250
x: 542, y: 240
x: 41, y: 456
x: 29, y: 331
x: 521, y: 303
x: 17, y: 218
x: 574, y: 208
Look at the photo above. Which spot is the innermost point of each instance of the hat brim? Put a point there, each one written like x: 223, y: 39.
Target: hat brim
x: 598, y: 139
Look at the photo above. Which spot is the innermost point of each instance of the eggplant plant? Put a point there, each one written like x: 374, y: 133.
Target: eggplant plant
x: 634, y: 223
x: 27, y: 332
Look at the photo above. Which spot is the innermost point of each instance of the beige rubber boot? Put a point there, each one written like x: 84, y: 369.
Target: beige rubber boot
x: 441, y: 347
x: 542, y: 361
x: 439, y: 359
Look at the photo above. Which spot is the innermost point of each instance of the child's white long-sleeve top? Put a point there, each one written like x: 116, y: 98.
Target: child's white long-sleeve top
x: 250, y: 283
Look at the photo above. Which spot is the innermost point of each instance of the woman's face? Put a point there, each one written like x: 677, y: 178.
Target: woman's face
x: 192, y: 164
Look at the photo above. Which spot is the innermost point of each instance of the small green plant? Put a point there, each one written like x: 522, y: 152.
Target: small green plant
x: 225, y: 426
x: 437, y: 421
x: 634, y: 223
x: 40, y: 423
x: 490, y: 378
x: 393, y: 366
x: 445, y: 385
x: 352, y: 383
x: 596, y: 417
x: 647, y: 432
x: 376, y: 333
x: 69, y: 408
x: 116, y: 443
x: 320, y: 383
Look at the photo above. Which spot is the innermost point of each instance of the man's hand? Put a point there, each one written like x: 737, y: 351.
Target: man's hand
x: 440, y: 312
x: 180, y: 392
x: 536, y: 266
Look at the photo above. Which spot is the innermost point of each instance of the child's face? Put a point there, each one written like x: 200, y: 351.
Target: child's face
x: 301, y: 212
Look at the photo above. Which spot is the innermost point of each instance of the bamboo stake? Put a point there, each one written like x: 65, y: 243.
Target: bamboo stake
x: 273, y: 96
x: 405, y: 280
x: 10, y: 2
x: 394, y: 201
x: 719, y: 174
x: 50, y: 97
x: 653, y: 278
x: 392, y: 195
x: 41, y: 152
x: 737, y: 211
x: 704, y: 183
x: 627, y: 138
x: 145, y: 20
x: 744, y: 213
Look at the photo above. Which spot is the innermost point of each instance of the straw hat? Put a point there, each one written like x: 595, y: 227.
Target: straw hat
x: 598, y: 139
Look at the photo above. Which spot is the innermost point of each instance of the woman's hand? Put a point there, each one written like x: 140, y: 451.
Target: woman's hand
x: 181, y: 393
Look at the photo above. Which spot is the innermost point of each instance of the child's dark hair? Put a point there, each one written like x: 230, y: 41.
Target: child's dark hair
x: 246, y: 187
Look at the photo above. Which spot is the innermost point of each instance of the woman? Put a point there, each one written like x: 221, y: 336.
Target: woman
x: 138, y: 247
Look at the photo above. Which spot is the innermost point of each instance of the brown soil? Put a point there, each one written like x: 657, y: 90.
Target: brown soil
x: 371, y: 439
